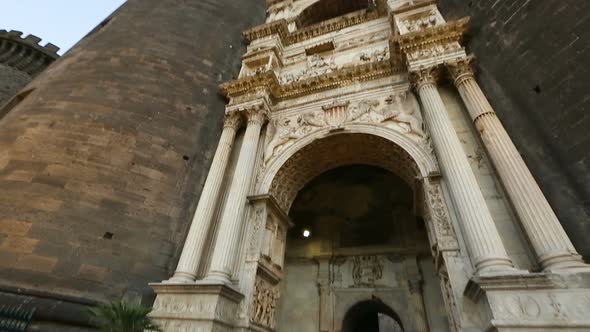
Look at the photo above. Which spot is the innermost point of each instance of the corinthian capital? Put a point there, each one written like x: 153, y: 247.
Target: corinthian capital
x: 256, y: 116
x: 461, y: 69
x: 232, y: 120
x: 423, y: 76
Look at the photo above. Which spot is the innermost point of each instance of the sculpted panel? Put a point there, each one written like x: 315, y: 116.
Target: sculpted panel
x: 399, y: 112
x: 366, y: 270
x: 266, y: 297
x: 542, y: 305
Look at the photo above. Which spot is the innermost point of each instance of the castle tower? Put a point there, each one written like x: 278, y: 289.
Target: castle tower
x: 104, y: 156
x: 20, y: 60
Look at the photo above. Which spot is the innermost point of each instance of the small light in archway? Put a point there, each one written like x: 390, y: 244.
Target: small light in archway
x: 306, y: 233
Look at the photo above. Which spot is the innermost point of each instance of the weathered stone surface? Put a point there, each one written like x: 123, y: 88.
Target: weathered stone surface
x: 11, y: 80
x: 106, y: 158
x: 534, y: 73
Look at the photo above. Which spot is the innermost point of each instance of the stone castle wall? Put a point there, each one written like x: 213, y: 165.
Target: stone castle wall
x: 21, y: 58
x: 103, y: 162
x: 532, y: 59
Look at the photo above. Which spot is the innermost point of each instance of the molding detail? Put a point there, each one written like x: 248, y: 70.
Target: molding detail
x: 345, y: 76
x: 281, y: 27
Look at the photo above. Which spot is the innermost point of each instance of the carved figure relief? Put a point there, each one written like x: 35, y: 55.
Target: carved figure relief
x: 366, y: 270
x: 350, y: 43
x: 265, y: 301
x: 433, y: 52
x: 378, y: 55
x: 399, y: 112
x: 424, y: 22
x: 316, y: 65
x: 403, y: 108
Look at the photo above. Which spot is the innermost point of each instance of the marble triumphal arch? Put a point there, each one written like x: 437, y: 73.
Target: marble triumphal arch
x: 376, y: 88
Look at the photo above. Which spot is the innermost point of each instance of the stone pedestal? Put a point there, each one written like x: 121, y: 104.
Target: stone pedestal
x: 534, y: 302
x: 184, y: 307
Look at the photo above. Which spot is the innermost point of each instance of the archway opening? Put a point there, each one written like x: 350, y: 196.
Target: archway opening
x: 358, y: 197
x: 371, y: 316
x: 352, y: 207
x: 324, y: 10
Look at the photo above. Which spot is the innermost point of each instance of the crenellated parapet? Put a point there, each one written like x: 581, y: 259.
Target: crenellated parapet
x: 24, y: 53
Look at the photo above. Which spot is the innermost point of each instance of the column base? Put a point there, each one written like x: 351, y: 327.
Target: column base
x: 195, y: 307
x: 533, y: 302
x: 563, y: 262
x: 180, y: 278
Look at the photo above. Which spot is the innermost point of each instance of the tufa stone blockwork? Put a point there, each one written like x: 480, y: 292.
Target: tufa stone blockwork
x: 102, y: 164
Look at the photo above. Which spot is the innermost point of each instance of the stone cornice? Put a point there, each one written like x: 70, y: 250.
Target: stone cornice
x: 409, y: 7
x: 269, y: 82
x: 280, y: 27
x: 449, y: 32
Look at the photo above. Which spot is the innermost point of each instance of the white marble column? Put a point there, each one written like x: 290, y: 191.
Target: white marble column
x: 485, y: 246
x: 227, y: 246
x: 186, y: 271
x: 421, y: 321
x: 552, y: 246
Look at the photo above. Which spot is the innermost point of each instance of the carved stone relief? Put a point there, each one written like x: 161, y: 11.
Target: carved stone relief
x: 375, y: 56
x: 433, y: 52
x: 364, y: 40
x: 366, y: 270
x: 264, y: 303
x: 541, y: 305
x: 399, y: 112
x: 316, y: 65
x: 347, y: 149
x: 438, y: 215
x: 258, y: 219
x: 423, y: 22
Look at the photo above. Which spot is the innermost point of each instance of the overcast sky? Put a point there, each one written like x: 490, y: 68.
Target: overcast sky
x: 60, y: 22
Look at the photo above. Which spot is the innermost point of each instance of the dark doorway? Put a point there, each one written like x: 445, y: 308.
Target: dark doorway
x: 371, y: 316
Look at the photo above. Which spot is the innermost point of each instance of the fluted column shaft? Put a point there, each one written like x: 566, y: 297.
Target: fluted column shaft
x: 226, y: 247
x: 421, y: 321
x: 485, y: 246
x: 551, y: 244
x: 186, y: 271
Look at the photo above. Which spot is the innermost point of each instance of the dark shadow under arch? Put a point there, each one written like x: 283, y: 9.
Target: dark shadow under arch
x: 324, y: 10
x: 364, y: 317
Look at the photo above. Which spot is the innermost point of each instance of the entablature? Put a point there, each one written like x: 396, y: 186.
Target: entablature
x: 335, y: 79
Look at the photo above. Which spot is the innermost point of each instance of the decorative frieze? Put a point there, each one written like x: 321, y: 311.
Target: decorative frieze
x: 264, y: 303
x: 399, y: 112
